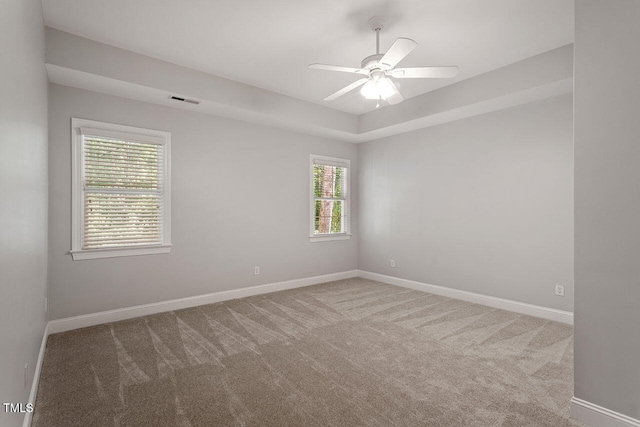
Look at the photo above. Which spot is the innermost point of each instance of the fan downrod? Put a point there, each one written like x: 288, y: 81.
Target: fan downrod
x: 376, y: 23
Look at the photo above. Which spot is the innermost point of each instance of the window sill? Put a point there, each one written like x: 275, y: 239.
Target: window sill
x: 329, y: 237
x: 120, y: 252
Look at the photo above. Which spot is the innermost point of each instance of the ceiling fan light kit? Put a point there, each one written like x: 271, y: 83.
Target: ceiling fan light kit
x: 378, y: 88
x: 379, y: 70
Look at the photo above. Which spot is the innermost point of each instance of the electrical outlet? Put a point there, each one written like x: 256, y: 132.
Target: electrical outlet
x: 560, y: 290
x: 393, y: 263
x: 46, y: 306
x: 26, y: 375
x: 256, y: 270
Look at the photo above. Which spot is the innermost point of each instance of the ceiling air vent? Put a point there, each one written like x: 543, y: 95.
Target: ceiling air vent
x: 190, y: 101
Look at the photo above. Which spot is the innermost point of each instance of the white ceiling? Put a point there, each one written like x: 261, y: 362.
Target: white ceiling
x: 269, y: 43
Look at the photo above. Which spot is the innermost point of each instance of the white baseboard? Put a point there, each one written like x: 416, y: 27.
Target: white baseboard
x: 70, y: 323
x: 36, y: 376
x: 505, y: 304
x: 597, y: 416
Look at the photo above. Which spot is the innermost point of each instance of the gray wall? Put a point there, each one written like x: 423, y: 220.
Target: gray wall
x: 240, y: 198
x: 482, y: 204
x: 607, y: 199
x: 23, y: 196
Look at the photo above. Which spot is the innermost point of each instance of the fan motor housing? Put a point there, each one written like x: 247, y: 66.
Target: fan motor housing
x: 372, y: 61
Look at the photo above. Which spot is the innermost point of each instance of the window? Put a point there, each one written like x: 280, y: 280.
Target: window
x: 121, y: 199
x: 329, y: 198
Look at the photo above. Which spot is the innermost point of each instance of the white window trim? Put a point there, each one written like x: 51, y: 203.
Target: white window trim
x: 334, y: 161
x: 82, y: 126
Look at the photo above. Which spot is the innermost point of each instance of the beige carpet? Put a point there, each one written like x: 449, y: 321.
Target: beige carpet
x: 346, y: 353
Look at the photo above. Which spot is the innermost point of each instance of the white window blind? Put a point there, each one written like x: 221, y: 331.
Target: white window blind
x: 330, y: 197
x: 123, y: 193
x: 121, y: 198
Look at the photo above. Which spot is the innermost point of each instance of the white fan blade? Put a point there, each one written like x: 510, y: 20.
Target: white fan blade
x: 425, y: 72
x: 346, y: 89
x: 337, y: 68
x: 398, y: 50
x: 396, y: 98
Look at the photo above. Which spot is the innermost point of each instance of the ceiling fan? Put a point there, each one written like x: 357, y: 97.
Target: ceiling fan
x: 380, y: 68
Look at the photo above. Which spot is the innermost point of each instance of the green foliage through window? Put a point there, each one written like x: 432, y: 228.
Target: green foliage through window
x: 329, y: 186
